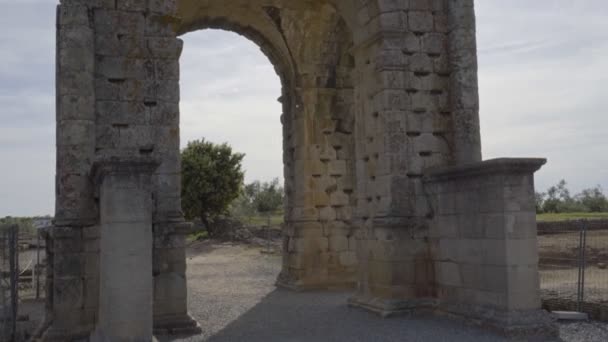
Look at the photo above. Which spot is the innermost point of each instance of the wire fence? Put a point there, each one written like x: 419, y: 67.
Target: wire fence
x: 9, y: 264
x: 574, y: 267
x: 22, y: 276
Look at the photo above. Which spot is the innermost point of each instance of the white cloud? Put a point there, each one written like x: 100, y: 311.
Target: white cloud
x: 229, y: 94
x: 543, y: 71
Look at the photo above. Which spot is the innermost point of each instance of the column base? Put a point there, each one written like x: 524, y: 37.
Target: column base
x: 303, y: 285
x: 176, y: 325
x: 393, y: 307
x: 522, y: 325
x: 59, y: 335
x: 525, y: 325
x: 98, y: 336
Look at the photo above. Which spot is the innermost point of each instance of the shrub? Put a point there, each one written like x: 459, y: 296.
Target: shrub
x: 211, y: 179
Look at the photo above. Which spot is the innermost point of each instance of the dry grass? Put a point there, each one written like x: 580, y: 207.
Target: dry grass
x: 553, y: 217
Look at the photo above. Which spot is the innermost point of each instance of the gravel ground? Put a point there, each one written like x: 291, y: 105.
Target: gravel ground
x: 232, y: 295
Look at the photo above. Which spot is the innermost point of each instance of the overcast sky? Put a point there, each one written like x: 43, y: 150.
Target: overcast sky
x: 543, y: 76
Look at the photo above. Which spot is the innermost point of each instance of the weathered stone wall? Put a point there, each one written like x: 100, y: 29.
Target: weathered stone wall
x: 374, y: 93
x: 404, y: 125
x: 484, y: 244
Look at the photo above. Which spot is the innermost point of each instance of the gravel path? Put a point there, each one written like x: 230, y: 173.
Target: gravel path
x: 232, y: 295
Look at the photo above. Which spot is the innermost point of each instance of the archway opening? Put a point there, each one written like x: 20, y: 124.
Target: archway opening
x: 231, y: 93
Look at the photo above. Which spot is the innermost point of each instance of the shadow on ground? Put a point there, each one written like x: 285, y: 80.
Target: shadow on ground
x: 289, y: 316
x: 232, y: 295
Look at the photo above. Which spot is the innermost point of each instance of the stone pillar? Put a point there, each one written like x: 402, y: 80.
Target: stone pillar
x: 404, y: 125
x: 170, y: 283
x: 319, y: 237
x: 125, y: 263
x: 485, y: 245
x: 464, y: 93
x: 68, y: 314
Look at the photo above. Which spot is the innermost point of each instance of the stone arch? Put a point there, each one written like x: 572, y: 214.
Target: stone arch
x: 309, y: 46
x: 379, y: 92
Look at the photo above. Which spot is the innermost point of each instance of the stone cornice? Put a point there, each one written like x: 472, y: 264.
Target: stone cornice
x: 488, y: 167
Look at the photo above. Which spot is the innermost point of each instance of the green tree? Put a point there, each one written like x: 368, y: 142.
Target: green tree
x: 211, y: 179
x: 558, y: 199
x: 593, y: 200
x: 540, y: 200
x: 268, y: 196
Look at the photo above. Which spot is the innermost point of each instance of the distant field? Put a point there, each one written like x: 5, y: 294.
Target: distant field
x: 571, y: 216
x: 275, y: 220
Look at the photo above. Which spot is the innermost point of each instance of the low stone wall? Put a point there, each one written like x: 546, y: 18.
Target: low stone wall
x: 545, y: 228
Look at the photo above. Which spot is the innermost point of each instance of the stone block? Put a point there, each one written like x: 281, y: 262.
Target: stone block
x: 119, y: 22
x: 338, y: 243
x: 348, y: 258
x: 113, y: 45
x: 339, y: 199
x: 494, y: 225
x: 311, y: 245
x: 165, y: 48
x: 448, y: 250
x: 470, y: 251
x: 524, y: 279
x: 494, y: 279
x: 320, y: 199
x: 336, y: 168
x: 447, y: 226
x: 434, y: 43
x: 519, y: 225
x: 67, y: 293
x: 167, y: 69
x: 72, y: 15
x: 162, y: 6
x: 327, y: 214
x: 308, y: 229
x: 448, y: 274
x: 75, y: 83
x: 120, y: 68
x: 123, y: 113
x: 521, y: 251
x: 132, y: 5
x: 420, y: 21
x: 160, y: 25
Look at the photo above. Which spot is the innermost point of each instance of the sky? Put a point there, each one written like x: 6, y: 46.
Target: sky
x: 543, y: 71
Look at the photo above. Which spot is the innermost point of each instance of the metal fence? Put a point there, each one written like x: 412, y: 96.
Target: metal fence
x: 9, y: 265
x: 22, y: 269
x: 573, y: 267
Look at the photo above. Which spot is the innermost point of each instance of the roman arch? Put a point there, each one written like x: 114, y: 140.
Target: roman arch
x: 386, y: 189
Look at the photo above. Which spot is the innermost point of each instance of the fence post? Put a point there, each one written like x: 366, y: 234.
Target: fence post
x: 580, y: 269
x: 584, y: 263
x: 37, y: 268
x: 14, y: 271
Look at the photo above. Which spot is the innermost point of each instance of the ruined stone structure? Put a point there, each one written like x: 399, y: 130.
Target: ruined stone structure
x: 385, y: 186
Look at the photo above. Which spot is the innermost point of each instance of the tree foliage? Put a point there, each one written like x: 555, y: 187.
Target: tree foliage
x: 557, y: 199
x: 267, y: 197
x: 211, y: 179
x: 259, y: 198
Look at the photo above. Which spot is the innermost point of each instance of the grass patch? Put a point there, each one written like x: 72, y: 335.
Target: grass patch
x: 552, y: 217
x: 275, y: 220
x: 200, y: 235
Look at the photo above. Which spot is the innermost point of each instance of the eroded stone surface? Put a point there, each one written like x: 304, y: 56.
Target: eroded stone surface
x: 374, y: 93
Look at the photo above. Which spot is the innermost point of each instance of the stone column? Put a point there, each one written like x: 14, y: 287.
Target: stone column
x: 403, y: 126
x: 126, y: 284
x: 464, y: 93
x: 68, y: 315
x: 485, y: 245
